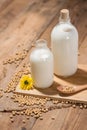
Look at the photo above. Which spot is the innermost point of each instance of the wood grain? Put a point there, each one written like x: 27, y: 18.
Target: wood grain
x: 64, y: 119
x: 17, y: 124
x: 21, y: 23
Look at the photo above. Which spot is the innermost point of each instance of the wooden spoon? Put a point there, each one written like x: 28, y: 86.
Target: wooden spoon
x: 71, y: 89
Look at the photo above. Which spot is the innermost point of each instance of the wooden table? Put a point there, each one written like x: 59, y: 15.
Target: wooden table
x: 22, y: 22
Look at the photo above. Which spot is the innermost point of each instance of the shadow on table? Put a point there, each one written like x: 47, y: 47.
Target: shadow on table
x: 79, y: 78
x: 51, y: 90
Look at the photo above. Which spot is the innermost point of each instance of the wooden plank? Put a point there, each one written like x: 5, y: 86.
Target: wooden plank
x: 50, y: 124
x: 64, y: 119
x: 80, y: 78
x: 4, y: 4
x: 11, y: 10
x: 18, y: 122
x: 83, y: 51
x: 78, y: 15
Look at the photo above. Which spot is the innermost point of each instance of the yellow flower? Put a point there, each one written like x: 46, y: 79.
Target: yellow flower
x: 26, y: 82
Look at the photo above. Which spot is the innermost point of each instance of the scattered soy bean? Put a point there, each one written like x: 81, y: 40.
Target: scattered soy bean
x: 81, y: 107
x: 24, y: 121
x: 12, y: 120
x: 41, y: 118
x: 74, y: 106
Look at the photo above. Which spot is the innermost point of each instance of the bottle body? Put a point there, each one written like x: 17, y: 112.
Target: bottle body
x: 41, y: 60
x: 64, y: 42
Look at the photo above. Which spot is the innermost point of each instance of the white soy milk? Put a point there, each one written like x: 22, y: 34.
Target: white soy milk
x: 41, y: 60
x: 64, y: 39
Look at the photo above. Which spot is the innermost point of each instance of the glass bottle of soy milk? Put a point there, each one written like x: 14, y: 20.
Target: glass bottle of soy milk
x: 41, y: 61
x: 64, y: 43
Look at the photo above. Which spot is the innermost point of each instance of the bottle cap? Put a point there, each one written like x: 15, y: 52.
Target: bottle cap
x: 64, y: 14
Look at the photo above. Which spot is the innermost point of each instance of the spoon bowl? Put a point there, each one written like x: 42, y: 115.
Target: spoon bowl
x: 71, y: 89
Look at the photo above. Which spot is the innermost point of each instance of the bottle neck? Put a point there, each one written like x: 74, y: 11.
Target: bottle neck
x: 41, y: 43
x: 64, y: 20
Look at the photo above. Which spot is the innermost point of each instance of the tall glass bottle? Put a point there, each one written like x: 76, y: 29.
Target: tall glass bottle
x: 64, y: 42
x: 41, y: 61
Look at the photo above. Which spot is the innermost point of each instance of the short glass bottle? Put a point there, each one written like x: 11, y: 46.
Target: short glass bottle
x: 41, y: 61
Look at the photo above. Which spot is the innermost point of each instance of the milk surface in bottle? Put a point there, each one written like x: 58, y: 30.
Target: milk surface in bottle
x: 41, y: 61
x: 64, y: 43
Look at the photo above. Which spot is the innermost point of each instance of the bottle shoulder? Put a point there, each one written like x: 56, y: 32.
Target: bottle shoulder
x: 38, y: 54
x: 61, y: 26
x: 64, y: 29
